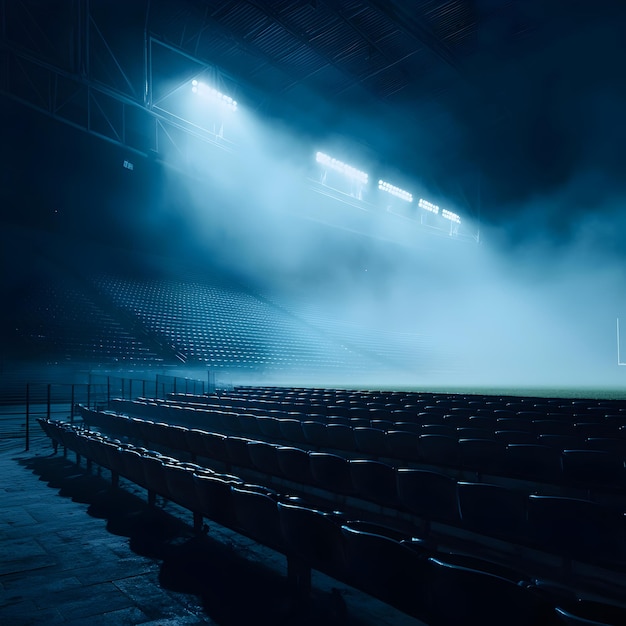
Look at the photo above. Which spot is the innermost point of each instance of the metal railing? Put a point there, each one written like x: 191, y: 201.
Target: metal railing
x: 58, y: 401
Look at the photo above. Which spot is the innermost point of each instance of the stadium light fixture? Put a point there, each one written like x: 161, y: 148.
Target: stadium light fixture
x: 341, y: 167
x: 428, y: 206
x: 449, y: 215
x: 204, y: 90
x: 395, y: 191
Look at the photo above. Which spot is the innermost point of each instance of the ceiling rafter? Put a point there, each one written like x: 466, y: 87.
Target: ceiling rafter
x: 307, y: 41
x: 415, y: 27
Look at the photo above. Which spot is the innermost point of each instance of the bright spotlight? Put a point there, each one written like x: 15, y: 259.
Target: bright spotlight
x: 428, y: 206
x: 212, y: 93
x: 453, y: 217
x: 395, y: 191
x: 342, y: 168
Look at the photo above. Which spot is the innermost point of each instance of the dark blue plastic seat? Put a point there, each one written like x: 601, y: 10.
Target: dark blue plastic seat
x: 596, y: 469
x: 370, y: 441
x: 439, y: 450
x: 374, y: 481
x: 576, y: 529
x: 264, y: 458
x: 533, y: 462
x: 313, y: 537
x: 493, y: 510
x: 379, y: 563
x: 462, y: 595
x: 331, y: 472
x: 341, y: 437
x: 430, y: 495
x: 315, y: 433
x: 238, y: 452
x: 215, y: 497
x: 485, y: 456
x: 291, y: 431
x: 294, y: 464
x: 255, y: 514
x: 402, y: 445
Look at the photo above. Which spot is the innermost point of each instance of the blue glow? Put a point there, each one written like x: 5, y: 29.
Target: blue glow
x: 395, y: 191
x: 428, y: 206
x: 341, y: 167
x: 212, y: 93
x: 449, y: 215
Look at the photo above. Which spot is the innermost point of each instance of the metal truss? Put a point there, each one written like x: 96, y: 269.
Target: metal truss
x: 74, y: 72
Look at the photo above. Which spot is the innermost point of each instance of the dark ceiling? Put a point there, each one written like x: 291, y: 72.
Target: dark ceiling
x: 515, y: 97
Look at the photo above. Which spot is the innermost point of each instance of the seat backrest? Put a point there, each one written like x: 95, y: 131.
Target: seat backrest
x: 577, y: 529
x: 331, y: 472
x: 461, y: 595
x: 430, y: 495
x: 374, y: 481
x: 493, y: 510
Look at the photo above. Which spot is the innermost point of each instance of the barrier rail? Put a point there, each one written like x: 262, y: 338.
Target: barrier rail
x: 58, y: 400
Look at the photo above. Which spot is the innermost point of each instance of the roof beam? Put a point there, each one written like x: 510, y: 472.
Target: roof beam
x: 413, y: 26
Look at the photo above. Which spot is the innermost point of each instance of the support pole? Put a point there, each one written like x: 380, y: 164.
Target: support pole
x: 299, y: 575
x: 27, y: 417
x: 72, y: 405
x: 48, y: 402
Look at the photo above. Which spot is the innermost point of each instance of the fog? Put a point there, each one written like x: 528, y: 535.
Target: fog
x: 525, y: 144
x: 524, y: 298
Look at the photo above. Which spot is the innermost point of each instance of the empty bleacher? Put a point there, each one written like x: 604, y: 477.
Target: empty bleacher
x: 114, y: 307
x: 354, y: 483
x: 225, y: 327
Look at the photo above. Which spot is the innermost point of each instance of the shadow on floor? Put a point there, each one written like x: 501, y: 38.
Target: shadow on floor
x: 232, y: 587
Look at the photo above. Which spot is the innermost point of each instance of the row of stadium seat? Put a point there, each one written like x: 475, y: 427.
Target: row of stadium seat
x: 342, y: 401
x: 224, y: 326
x: 545, y: 459
x: 437, y: 587
x: 525, y: 425
x: 594, y: 532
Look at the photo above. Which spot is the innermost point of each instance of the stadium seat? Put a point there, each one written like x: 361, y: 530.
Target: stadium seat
x: 291, y: 431
x: 238, y: 451
x: 370, y: 441
x: 341, y: 437
x: 264, y: 457
x: 215, y: 497
x: 402, y: 445
x: 294, y: 464
x: 533, y: 462
x: 462, y: 595
x: 576, y: 529
x: 493, y: 510
x: 439, y: 450
x: 313, y: 537
x: 484, y: 456
x: 430, y: 495
x: 595, y: 469
x: 591, y: 613
x: 255, y: 514
x: 379, y: 563
x: 374, y: 481
x: 331, y: 472
x: 315, y: 433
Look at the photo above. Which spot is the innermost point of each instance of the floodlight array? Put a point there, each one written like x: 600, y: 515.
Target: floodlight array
x: 428, y: 206
x: 205, y: 90
x: 343, y: 168
x: 449, y: 215
x: 395, y: 191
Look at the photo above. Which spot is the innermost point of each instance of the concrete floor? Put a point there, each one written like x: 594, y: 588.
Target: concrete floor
x: 73, y: 551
